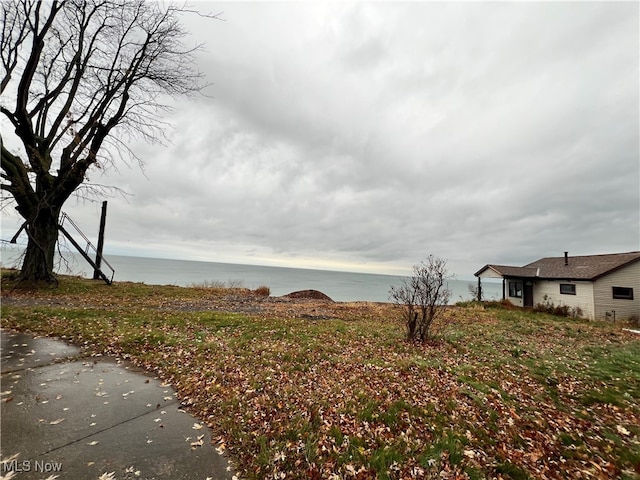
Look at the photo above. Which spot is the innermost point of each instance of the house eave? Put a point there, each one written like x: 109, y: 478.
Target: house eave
x: 615, y: 269
x: 486, y: 267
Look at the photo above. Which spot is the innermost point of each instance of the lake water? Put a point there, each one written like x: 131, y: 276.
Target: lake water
x: 340, y: 286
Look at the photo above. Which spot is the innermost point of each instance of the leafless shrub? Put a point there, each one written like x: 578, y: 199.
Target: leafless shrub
x: 476, y: 292
x: 423, y: 297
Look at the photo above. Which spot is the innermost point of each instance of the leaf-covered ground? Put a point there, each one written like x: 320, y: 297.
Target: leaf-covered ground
x: 315, y: 389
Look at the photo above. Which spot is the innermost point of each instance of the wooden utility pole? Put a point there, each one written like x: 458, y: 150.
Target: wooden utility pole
x: 103, y: 221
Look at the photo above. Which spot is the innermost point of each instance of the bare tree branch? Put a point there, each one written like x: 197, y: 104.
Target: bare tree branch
x: 14, y: 32
x: 84, y: 74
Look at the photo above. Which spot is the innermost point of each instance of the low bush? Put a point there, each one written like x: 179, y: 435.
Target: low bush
x: 422, y: 297
x: 500, y: 304
x: 557, y: 310
x: 263, y: 291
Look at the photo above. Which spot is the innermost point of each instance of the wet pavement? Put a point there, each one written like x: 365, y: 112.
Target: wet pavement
x: 68, y: 417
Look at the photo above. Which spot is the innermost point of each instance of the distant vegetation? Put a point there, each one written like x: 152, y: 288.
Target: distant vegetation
x: 263, y: 291
x: 218, y: 284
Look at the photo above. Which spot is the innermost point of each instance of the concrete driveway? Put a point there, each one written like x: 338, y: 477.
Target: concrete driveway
x: 69, y: 417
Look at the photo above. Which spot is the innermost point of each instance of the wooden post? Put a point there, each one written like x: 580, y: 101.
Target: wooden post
x: 479, y: 290
x: 84, y: 254
x: 103, y: 221
x: 15, y: 237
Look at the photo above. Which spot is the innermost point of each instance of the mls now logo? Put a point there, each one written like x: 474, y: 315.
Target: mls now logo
x: 29, y: 466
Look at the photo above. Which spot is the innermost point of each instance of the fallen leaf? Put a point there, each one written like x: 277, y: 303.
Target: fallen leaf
x: 198, y: 443
x: 56, y: 422
x: 8, y: 460
x: 622, y: 430
x: 133, y: 470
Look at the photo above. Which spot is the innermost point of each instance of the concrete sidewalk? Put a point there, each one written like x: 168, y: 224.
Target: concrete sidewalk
x: 73, y: 418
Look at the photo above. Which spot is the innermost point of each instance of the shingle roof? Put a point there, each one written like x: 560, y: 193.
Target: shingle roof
x: 509, y: 271
x: 586, y: 267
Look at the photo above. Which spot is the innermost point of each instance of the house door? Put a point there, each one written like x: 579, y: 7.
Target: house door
x: 528, y: 294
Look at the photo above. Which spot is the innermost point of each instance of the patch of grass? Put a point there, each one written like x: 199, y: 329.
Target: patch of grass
x: 611, y: 364
x: 474, y: 473
x: 336, y: 434
x: 447, y: 447
x: 568, y: 439
x: 383, y: 458
x: 499, y: 305
x: 603, y: 397
x: 392, y: 415
x: 370, y: 411
x: 512, y: 471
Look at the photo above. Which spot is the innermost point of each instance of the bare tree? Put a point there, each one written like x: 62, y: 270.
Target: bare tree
x: 423, y: 297
x: 81, y: 79
x: 476, y: 291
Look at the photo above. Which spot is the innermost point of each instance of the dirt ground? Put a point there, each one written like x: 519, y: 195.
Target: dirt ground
x: 306, y: 304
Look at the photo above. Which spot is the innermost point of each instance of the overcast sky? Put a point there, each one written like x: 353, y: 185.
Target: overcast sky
x: 367, y: 136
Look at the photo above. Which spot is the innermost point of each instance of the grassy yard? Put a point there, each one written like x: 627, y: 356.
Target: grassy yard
x: 321, y: 390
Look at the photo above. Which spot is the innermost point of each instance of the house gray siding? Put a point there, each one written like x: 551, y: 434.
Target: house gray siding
x: 628, y: 277
x: 583, y: 299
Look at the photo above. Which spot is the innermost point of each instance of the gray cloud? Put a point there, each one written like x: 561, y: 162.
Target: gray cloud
x: 369, y: 135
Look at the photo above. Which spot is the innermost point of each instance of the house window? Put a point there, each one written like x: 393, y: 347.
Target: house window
x: 623, y: 293
x: 515, y: 289
x: 567, y: 289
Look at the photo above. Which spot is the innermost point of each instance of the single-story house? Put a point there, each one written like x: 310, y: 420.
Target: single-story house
x: 598, y: 286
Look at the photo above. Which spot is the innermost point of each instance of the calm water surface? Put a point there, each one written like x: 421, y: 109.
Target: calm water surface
x: 340, y: 286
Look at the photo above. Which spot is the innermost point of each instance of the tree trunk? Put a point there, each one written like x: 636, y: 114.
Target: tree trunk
x: 41, y: 247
